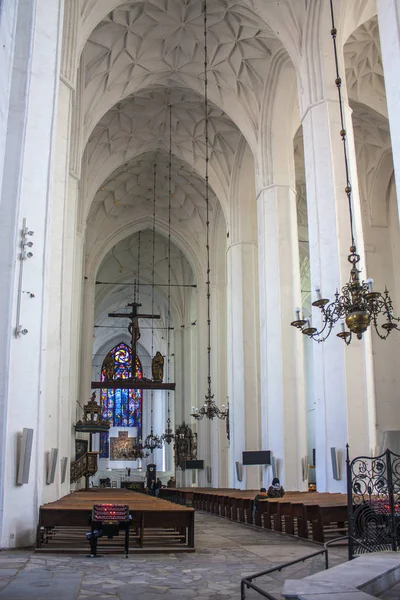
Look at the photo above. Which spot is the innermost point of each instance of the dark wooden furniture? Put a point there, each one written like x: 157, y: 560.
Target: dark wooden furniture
x: 157, y: 525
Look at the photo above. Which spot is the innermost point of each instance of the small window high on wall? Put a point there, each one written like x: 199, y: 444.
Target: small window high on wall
x: 121, y: 407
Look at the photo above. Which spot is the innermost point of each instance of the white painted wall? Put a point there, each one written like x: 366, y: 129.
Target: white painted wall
x: 37, y: 49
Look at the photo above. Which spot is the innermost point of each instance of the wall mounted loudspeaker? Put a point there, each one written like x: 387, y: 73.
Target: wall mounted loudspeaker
x: 25, y: 451
x: 209, y: 475
x: 335, y: 463
x: 239, y: 471
x: 64, y: 463
x: 52, y: 465
x: 274, y: 467
x: 304, y: 467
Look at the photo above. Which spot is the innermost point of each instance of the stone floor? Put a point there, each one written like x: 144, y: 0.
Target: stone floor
x: 225, y: 552
x: 392, y: 594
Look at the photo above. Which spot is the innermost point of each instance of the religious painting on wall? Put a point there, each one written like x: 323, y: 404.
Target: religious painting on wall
x: 122, y: 447
x: 121, y: 407
x: 81, y: 447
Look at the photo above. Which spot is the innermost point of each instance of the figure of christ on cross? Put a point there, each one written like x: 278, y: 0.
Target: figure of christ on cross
x: 133, y: 328
x: 140, y: 384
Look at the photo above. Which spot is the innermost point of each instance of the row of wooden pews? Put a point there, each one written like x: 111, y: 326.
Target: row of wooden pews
x: 156, y: 525
x: 313, y: 515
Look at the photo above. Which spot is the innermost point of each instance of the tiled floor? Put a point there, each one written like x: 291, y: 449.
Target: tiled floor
x: 225, y: 552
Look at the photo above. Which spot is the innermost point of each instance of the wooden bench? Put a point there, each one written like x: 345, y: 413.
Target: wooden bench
x: 153, y: 520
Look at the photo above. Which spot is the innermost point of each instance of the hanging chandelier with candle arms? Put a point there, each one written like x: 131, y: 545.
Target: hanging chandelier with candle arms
x: 357, y: 304
x: 209, y: 409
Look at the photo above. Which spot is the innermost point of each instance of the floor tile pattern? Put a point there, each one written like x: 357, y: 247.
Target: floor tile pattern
x: 225, y: 552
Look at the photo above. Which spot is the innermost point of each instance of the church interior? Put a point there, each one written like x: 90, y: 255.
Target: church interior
x: 200, y: 241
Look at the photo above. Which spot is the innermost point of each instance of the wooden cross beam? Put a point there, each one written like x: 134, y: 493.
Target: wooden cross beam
x: 133, y: 328
x: 132, y: 384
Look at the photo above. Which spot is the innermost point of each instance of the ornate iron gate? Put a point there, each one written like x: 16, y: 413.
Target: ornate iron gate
x: 373, y: 486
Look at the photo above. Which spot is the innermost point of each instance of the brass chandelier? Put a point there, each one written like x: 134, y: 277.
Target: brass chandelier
x: 357, y: 304
x: 209, y: 409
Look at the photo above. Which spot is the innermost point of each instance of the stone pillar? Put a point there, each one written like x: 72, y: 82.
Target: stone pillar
x: 283, y: 410
x: 203, y: 427
x: 243, y: 323
x: 389, y: 27
x: 219, y: 442
x: 27, y: 188
x: 343, y: 377
x: 282, y: 372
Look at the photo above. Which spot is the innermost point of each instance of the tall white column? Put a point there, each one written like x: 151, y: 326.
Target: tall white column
x: 243, y: 321
x: 343, y: 378
x: 283, y: 410
x: 219, y: 442
x: 389, y: 28
x: 203, y: 427
x: 243, y: 360
x: 282, y: 372
x: 28, y: 181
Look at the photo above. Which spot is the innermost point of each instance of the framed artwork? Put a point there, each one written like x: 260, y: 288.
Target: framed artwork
x: 122, y: 447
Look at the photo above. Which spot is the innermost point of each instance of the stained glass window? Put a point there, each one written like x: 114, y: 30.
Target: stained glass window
x: 121, y: 407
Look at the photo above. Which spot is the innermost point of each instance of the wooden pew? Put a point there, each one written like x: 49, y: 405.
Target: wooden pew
x: 152, y: 519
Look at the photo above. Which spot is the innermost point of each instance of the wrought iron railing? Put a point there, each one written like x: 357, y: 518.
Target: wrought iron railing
x: 247, y: 582
x: 373, y: 503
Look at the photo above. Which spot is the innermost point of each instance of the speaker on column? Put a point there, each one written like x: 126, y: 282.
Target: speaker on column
x: 239, y: 471
x: 51, y: 471
x: 64, y: 463
x: 25, y: 452
x: 335, y: 464
x: 304, y: 468
x: 209, y: 475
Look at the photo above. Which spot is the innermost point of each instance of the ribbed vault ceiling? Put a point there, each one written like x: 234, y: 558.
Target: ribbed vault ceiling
x: 161, y: 41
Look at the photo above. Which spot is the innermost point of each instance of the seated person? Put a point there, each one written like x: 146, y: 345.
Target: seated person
x: 171, y: 483
x: 275, y: 490
x: 262, y: 495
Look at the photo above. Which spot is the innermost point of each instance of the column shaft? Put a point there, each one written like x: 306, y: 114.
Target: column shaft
x: 282, y: 372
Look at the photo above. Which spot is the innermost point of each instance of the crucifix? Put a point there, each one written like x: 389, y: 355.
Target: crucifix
x: 133, y: 328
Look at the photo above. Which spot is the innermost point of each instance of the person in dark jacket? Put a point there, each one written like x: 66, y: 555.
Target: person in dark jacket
x: 262, y: 495
x: 158, y: 486
x: 275, y: 490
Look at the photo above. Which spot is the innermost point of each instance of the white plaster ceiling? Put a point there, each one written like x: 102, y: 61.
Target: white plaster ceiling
x: 372, y: 142
x: 140, y: 123
x: 364, y: 70
x: 147, y: 42
x: 121, y: 266
x: 127, y: 196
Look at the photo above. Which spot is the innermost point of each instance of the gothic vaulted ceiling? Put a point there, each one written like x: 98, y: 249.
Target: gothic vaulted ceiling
x: 149, y: 42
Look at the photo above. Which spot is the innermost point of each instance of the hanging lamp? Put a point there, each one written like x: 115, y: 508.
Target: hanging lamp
x: 358, y: 306
x: 168, y: 435
x: 209, y: 409
x: 153, y: 442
